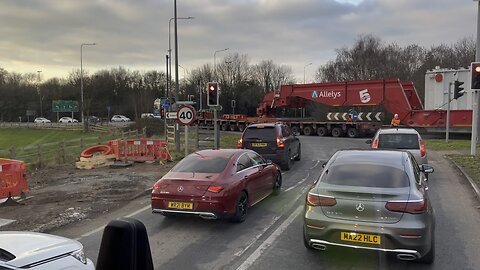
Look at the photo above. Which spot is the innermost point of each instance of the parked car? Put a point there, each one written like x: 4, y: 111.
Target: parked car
x: 215, y: 184
x: 41, y: 120
x: 120, y: 118
x: 273, y: 141
x: 401, y: 138
x: 372, y: 200
x: 67, y: 120
x: 38, y: 251
x: 147, y: 115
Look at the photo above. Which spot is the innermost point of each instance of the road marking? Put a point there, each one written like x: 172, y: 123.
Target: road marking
x: 298, y: 183
x: 269, y: 241
x: 103, y: 226
x: 239, y: 253
x: 316, y: 164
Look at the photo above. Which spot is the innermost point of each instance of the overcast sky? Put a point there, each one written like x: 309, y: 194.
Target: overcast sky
x: 46, y: 34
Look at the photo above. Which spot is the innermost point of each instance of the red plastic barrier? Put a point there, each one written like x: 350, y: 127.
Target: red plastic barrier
x: 13, y: 181
x: 106, y: 149
x: 140, y: 149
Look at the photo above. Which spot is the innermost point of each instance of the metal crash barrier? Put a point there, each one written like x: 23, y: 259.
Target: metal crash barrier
x: 13, y: 181
x: 140, y: 149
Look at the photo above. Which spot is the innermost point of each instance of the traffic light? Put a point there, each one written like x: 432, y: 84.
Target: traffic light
x: 475, y: 85
x: 212, y: 91
x: 457, y: 90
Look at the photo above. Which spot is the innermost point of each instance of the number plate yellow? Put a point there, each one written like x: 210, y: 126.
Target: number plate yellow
x: 259, y: 144
x: 360, y: 238
x: 180, y: 205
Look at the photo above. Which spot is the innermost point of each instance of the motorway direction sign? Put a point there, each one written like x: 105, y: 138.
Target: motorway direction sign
x: 186, y: 115
x: 65, y: 106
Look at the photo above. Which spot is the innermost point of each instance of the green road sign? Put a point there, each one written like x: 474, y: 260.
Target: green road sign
x: 65, y: 106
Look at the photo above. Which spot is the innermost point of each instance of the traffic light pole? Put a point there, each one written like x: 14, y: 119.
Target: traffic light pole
x: 447, y: 130
x: 476, y: 95
x: 215, y: 129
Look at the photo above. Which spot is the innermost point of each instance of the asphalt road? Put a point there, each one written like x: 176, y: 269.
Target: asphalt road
x: 271, y: 237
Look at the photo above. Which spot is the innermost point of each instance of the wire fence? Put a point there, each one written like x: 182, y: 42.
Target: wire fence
x: 47, y: 154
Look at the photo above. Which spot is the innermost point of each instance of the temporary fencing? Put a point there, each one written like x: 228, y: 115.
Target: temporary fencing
x: 13, y: 181
x: 140, y: 149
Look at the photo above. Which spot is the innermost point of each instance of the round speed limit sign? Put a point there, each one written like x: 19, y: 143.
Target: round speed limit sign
x: 185, y: 115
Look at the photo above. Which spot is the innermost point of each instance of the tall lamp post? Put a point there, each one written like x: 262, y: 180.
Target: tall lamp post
x: 215, y: 61
x: 215, y: 111
x: 304, y: 67
x: 39, y: 92
x: 169, y: 79
x: 81, y: 76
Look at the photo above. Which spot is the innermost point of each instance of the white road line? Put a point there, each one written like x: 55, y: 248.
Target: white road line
x: 298, y: 183
x: 269, y: 241
x: 103, y: 226
x: 239, y: 253
x: 316, y: 164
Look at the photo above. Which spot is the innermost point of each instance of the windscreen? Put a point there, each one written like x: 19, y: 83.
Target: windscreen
x: 366, y: 175
x: 260, y: 133
x: 398, y: 141
x: 202, y: 164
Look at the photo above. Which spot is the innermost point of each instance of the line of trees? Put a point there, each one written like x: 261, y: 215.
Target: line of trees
x: 122, y: 91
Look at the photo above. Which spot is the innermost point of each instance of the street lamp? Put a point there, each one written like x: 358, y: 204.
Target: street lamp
x: 81, y: 74
x: 184, y: 76
x: 304, y: 67
x: 169, y: 71
x: 215, y: 62
x: 39, y: 92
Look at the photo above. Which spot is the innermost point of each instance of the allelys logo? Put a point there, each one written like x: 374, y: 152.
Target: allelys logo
x: 326, y: 94
x: 364, y: 96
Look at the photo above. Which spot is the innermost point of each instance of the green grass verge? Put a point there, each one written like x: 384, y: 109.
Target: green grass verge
x: 24, y: 137
x: 39, y: 148
x: 471, y: 164
x: 440, y: 145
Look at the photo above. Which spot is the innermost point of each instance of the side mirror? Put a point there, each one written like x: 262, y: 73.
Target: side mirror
x: 324, y: 164
x: 269, y: 162
x: 426, y: 168
x: 368, y: 141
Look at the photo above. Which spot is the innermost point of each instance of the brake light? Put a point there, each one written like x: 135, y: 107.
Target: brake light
x: 412, y: 207
x: 280, y: 143
x: 240, y: 143
x: 375, y: 143
x: 320, y: 200
x: 423, y: 150
x: 215, y: 189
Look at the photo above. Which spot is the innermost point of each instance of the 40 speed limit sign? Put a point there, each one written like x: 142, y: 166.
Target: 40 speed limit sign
x: 185, y: 115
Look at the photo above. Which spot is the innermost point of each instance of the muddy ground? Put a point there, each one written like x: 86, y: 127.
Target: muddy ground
x: 63, y: 195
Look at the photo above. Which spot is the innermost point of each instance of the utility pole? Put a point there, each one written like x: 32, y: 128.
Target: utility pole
x: 447, y: 130
x: 40, y: 92
x: 476, y: 95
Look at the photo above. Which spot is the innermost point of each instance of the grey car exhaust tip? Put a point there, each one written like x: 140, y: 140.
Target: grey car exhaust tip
x: 406, y: 257
x: 208, y: 216
x: 319, y: 246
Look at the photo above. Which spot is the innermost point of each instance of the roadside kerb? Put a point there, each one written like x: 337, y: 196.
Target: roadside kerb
x: 470, y: 180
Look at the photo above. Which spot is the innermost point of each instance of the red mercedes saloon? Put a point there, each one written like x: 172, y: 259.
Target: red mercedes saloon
x: 216, y: 184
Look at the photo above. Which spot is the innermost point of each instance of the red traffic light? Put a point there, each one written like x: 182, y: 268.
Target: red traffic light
x: 212, y: 94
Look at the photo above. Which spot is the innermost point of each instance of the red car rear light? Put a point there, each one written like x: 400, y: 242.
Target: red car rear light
x: 375, y: 143
x: 240, y: 143
x: 320, y: 200
x: 215, y: 189
x: 155, y: 186
x: 412, y: 207
x: 423, y: 150
x: 280, y: 143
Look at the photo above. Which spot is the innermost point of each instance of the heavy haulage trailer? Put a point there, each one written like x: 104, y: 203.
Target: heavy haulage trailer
x: 393, y: 96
